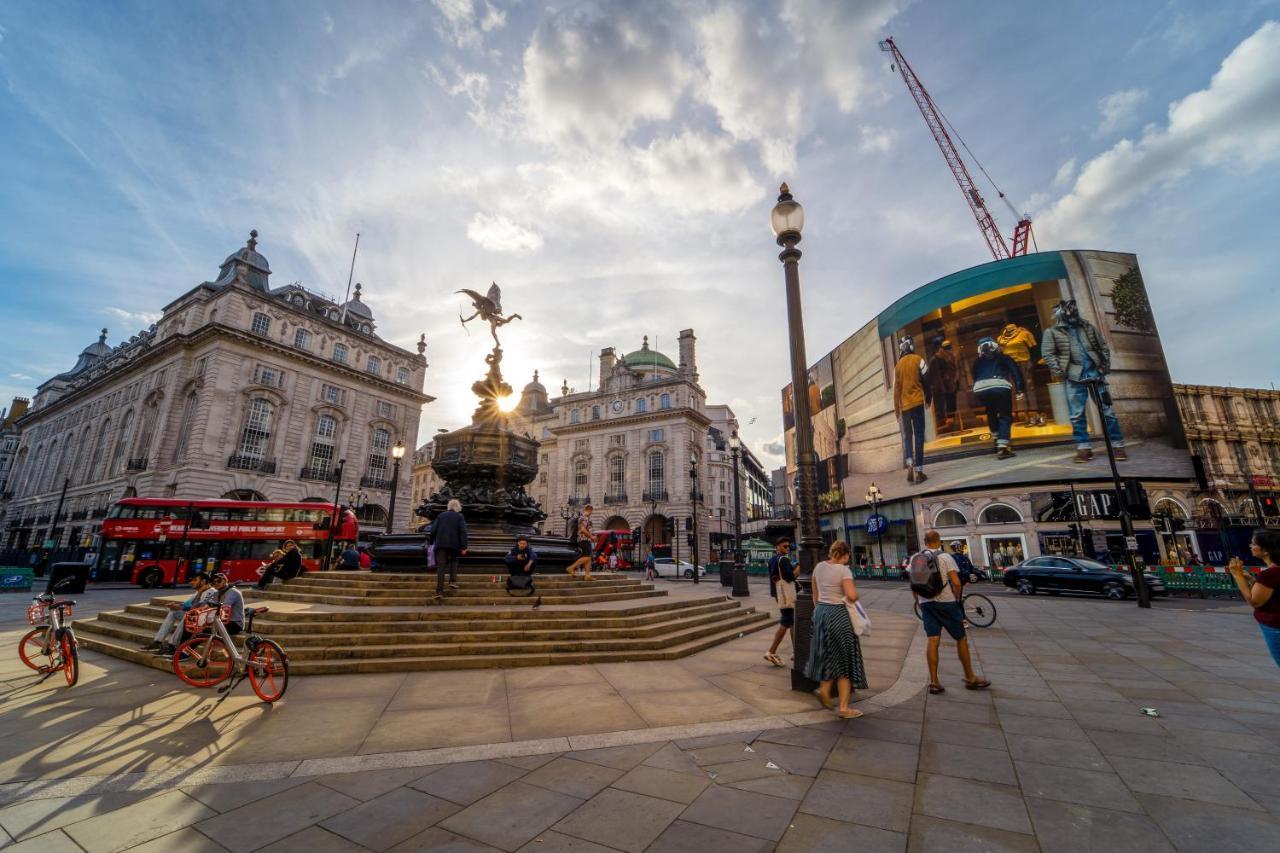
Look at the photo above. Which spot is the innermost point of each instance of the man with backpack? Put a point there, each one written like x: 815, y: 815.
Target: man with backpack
x: 782, y: 583
x: 935, y: 583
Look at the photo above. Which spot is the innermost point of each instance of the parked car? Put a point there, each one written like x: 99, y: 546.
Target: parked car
x: 1074, y: 574
x: 668, y: 567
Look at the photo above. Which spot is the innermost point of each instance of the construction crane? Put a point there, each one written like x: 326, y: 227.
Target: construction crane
x: 938, y: 125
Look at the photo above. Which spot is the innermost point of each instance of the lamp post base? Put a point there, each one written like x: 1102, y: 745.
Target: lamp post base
x: 740, y: 587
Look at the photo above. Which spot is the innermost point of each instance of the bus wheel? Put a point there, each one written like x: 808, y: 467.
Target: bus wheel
x: 151, y: 579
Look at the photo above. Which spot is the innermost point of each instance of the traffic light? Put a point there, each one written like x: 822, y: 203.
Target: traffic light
x: 1267, y: 506
x: 689, y: 539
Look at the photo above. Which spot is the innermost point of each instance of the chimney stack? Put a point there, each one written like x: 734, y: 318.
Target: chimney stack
x: 688, y: 357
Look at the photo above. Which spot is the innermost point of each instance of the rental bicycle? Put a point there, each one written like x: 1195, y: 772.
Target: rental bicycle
x: 979, y: 611
x: 211, y: 656
x: 51, y: 646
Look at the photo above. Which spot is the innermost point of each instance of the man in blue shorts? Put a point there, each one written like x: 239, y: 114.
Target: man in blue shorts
x: 944, y: 610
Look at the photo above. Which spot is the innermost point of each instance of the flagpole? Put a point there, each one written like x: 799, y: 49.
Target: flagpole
x: 350, y: 275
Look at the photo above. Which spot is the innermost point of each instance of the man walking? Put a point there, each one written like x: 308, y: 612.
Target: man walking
x: 449, y: 536
x: 944, y: 379
x: 935, y: 584
x: 782, y: 580
x: 1077, y: 355
x: 586, y: 545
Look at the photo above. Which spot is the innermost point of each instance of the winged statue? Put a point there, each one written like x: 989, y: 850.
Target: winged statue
x: 489, y: 309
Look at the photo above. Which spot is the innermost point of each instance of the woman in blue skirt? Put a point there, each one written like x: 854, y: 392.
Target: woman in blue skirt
x: 834, y: 651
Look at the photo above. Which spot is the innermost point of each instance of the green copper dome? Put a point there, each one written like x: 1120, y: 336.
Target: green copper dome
x: 645, y: 357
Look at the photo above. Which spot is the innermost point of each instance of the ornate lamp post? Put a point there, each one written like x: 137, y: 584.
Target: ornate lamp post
x: 333, y: 521
x: 787, y: 220
x: 397, y: 453
x: 740, y: 588
x: 873, y: 497
x: 693, y: 497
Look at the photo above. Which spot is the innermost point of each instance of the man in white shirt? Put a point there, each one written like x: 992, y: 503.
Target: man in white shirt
x: 945, y: 610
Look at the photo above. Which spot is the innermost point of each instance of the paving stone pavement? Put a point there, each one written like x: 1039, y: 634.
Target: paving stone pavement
x: 1056, y: 756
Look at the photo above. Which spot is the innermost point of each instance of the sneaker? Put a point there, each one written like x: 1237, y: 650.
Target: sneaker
x: 166, y: 650
x: 920, y: 477
x: 1083, y: 455
x: 453, y: 586
x: 1119, y: 454
x: 1004, y: 452
x: 150, y: 647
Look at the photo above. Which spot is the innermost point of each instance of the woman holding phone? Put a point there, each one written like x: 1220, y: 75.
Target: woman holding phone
x: 1260, y: 592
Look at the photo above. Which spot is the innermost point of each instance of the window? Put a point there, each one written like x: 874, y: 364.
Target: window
x: 617, y: 441
x: 331, y: 394
x: 49, y: 472
x: 302, y: 339
x: 321, y: 456
x: 656, y: 471
x: 122, y: 443
x: 1000, y: 514
x: 373, y: 364
x: 581, y: 445
x: 149, y: 418
x: 266, y: 375
x: 256, y: 434
x: 617, y: 476
x: 379, y: 444
x: 574, y: 417
x: 99, y: 451
x: 184, y: 426
x: 656, y: 435
x: 664, y: 402
x: 595, y: 413
x: 950, y: 518
x: 640, y: 404
x: 261, y: 324
x: 340, y: 353
x: 580, y: 474
x: 385, y: 409
x: 402, y: 375
x: 544, y: 459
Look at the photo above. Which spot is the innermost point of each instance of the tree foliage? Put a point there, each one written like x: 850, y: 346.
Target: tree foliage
x: 1129, y: 297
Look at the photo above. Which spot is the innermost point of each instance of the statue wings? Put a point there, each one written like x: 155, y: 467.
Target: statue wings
x: 490, y: 304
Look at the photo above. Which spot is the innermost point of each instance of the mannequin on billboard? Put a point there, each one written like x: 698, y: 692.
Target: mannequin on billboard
x: 1077, y: 355
x: 910, y: 395
x: 1019, y: 344
x: 944, y: 379
x: 995, y: 377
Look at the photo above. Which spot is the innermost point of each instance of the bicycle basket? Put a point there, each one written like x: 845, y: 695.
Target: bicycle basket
x: 198, y: 619
x: 38, y: 613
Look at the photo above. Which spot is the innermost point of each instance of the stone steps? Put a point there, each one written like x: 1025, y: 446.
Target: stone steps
x: 450, y: 599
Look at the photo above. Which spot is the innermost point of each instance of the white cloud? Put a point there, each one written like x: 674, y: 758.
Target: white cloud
x: 876, y: 139
x: 327, y: 23
x: 830, y: 33
x: 137, y: 318
x: 466, y: 21
x: 1234, y: 122
x: 22, y: 377
x: 497, y: 233
x: 1066, y: 172
x: 1118, y: 110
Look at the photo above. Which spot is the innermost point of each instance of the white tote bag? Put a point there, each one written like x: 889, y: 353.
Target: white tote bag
x: 786, y: 591
x: 858, y: 616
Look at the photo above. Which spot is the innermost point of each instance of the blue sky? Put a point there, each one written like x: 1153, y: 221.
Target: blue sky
x: 612, y: 166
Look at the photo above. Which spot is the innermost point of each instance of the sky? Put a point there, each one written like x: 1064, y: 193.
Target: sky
x: 612, y: 166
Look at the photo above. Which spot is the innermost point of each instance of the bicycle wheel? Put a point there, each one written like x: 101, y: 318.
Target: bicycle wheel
x: 199, y: 668
x: 268, y: 670
x: 916, y: 607
x: 979, y: 610
x: 70, y: 657
x: 31, y: 650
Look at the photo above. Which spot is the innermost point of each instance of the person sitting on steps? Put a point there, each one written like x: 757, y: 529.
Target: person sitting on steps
x: 170, y: 634
x: 288, y: 565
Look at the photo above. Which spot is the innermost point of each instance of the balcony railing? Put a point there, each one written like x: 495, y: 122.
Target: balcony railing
x: 615, y: 499
x: 583, y: 501
x: 655, y: 495
x: 80, y: 515
x: 326, y: 475
x: 251, y: 463
x: 100, y: 511
x: 139, y: 464
x: 368, y: 482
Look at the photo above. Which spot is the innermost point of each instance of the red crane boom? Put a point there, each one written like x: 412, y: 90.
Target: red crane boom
x: 937, y: 126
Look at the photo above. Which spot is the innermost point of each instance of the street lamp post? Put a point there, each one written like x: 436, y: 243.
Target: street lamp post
x: 693, y: 497
x: 565, y: 514
x: 787, y: 220
x: 740, y: 588
x: 334, y: 519
x: 1126, y: 521
x: 397, y: 453
x: 873, y: 497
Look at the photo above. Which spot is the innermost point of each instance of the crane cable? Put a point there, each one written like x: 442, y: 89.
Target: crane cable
x: 976, y: 161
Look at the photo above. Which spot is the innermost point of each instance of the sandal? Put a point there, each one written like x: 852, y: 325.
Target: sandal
x: 825, y: 700
x: 935, y: 689
x: 773, y: 659
x: 980, y: 684
x: 851, y: 714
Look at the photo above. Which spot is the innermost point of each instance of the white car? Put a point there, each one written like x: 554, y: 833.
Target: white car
x: 668, y: 567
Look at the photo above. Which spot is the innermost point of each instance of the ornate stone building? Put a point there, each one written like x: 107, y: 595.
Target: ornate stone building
x: 624, y: 446
x: 424, y: 481
x: 239, y: 390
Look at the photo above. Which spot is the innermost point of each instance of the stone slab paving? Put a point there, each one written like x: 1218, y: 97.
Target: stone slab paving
x: 1057, y: 756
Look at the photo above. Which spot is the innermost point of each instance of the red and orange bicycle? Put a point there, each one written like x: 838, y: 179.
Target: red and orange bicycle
x: 211, y: 657
x: 51, y: 646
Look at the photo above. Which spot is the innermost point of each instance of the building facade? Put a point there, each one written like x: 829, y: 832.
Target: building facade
x: 625, y: 447
x: 9, y: 443
x: 240, y: 390
x: 424, y: 481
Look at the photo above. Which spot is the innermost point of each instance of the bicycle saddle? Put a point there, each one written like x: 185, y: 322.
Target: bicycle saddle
x: 66, y: 602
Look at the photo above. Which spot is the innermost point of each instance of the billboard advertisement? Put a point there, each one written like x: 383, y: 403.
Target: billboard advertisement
x: 993, y: 375
x: 821, y: 392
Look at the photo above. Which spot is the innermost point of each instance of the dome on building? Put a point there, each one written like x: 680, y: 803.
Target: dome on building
x: 246, y: 264
x: 647, y: 358
x: 534, y: 387
x: 356, y: 308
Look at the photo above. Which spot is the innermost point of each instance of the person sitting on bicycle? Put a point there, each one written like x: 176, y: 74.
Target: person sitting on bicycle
x: 963, y: 563
x: 170, y: 633
x: 227, y: 594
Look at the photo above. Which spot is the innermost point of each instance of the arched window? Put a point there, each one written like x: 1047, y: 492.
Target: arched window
x: 372, y: 514
x: 379, y: 444
x: 150, y: 416
x: 122, y: 444
x: 1171, y: 508
x: 82, y: 455
x: 949, y: 518
x: 19, y: 471
x: 100, y: 450
x: 656, y: 473
x: 255, y: 436
x: 184, y: 426
x: 49, y: 467
x: 320, y: 459
x: 261, y: 324
x: 244, y: 495
x: 1000, y: 514
x: 581, y: 474
x: 640, y: 404
x: 617, y: 477
x: 664, y: 402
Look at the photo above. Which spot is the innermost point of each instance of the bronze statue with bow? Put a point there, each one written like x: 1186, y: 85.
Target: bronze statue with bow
x: 489, y: 309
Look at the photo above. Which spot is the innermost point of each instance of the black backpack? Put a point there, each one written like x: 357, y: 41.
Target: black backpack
x: 925, y: 576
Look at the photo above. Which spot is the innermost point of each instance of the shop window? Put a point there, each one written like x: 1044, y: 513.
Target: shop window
x: 950, y: 518
x: 1000, y: 514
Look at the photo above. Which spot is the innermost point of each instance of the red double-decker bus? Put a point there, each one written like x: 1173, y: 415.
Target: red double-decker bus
x: 153, y: 541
